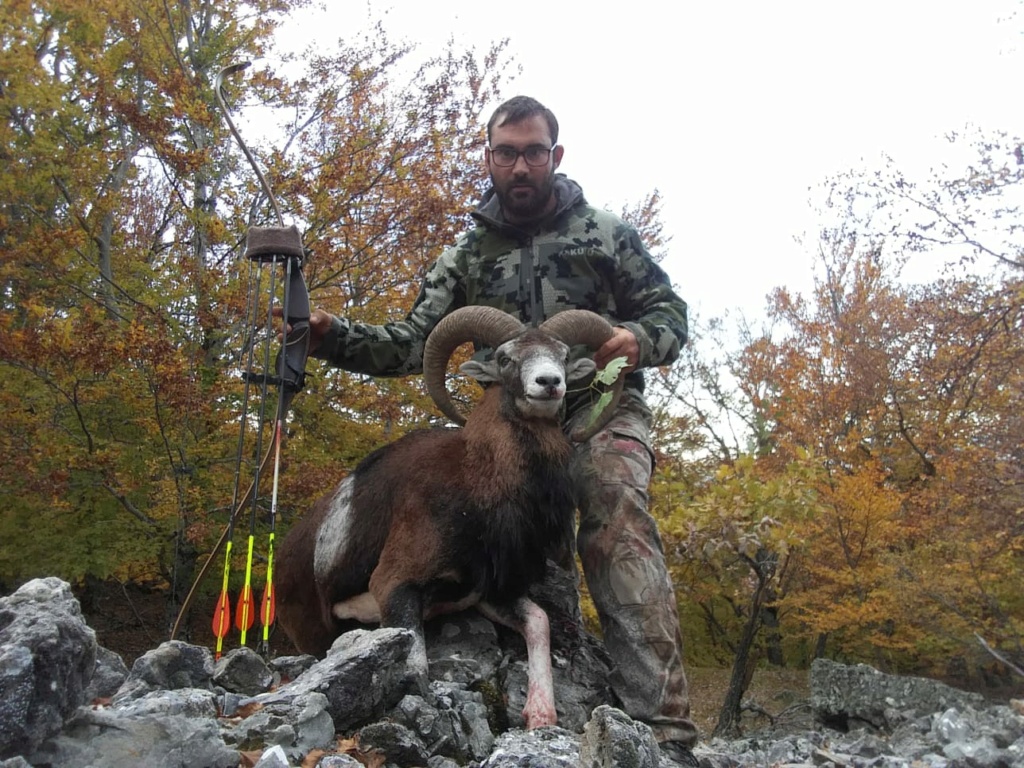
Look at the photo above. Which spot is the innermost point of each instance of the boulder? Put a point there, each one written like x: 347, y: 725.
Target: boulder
x: 846, y: 696
x: 47, y: 659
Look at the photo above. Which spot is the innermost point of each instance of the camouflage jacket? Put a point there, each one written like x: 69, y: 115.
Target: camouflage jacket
x: 579, y: 257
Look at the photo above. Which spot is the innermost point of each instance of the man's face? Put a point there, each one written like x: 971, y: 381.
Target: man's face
x: 524, y: 190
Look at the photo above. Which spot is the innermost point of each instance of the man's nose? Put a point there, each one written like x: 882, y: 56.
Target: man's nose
x: 520, y: 165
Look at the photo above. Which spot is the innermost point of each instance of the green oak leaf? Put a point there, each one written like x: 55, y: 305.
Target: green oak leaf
x: 598, y: 409
x: 610, y: 373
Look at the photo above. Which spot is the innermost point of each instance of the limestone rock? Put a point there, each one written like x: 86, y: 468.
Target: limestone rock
x: 47, y: 658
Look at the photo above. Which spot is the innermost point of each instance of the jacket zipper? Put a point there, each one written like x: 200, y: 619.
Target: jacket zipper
x: 528, y: 284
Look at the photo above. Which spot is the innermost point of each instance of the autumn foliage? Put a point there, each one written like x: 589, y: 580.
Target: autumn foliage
x: 863, y: 498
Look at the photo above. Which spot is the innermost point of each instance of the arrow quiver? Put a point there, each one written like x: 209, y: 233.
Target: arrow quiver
x: 284, y: 244
x: 273, y: 245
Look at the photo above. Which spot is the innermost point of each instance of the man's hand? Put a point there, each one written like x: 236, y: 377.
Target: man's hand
x: 622, y: 344
x: 319, y: 325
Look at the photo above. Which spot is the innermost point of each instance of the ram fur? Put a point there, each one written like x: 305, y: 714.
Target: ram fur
x: 445, y: 519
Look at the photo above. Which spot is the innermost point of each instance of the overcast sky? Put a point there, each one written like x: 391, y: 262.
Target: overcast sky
x: 733, y: 110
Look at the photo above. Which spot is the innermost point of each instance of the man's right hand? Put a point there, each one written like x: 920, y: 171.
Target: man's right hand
x: 319, y: 325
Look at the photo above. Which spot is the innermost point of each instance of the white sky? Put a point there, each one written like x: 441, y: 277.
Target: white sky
x: 733, y: 110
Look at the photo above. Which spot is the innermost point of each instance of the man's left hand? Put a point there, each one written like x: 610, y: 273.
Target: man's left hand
x: 622, y: 344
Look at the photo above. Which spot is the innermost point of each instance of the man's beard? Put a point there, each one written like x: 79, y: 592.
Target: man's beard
x: 523, y: 199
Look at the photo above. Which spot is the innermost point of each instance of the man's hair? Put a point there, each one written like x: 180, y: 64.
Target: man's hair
x: 520, y: 108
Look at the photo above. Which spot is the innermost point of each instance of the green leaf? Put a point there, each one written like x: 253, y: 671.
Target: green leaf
x: 598, y: 409
x: 610, y: 373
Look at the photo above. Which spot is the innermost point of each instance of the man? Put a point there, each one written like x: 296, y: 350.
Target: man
x: 539, y: 248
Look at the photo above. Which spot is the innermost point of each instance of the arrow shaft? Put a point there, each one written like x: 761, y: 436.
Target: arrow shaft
x: 246, y: 610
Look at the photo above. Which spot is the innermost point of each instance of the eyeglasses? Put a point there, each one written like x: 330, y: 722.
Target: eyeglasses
x: 535, y: 155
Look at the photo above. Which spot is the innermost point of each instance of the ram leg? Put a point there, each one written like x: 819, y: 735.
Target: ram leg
x: 529, y: 620
x: 302, y: 612
x: 305, y: 626
x: 403, y: 607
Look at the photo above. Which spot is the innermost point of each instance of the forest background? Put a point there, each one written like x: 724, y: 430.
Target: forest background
x: 842, y: 479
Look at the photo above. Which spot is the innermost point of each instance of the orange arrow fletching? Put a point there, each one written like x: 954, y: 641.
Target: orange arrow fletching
x: 267, y: 606
x: 222, y: 616
x: 245, y: 611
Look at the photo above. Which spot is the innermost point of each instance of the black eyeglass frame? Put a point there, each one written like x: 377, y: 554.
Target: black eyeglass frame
x: 507, y: 151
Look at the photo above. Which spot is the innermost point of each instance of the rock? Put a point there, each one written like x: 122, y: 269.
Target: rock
x: 243, y: 671
x: 453, y: 725
x: 365, y: 674
x: 611, y: 739
x: 188, y: 702
x: 170, y: 666
x: 400, y: 745
x: 550, y: 747
x: 843, y: 696
x: 108, y: 676
x: 273, y: 758
x: 47, y: 658
x: 287, y: 668
x: 298, y: 725
x: 109, y: 739
x: 463, y: 648
x: 339, y: 761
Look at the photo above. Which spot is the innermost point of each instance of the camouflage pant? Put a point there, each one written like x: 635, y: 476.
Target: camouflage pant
x: 624, y: 564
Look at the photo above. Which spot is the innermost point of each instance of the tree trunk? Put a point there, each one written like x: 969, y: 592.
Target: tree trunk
x: 105, y: 246
x: 742, y: 667
x: 773, y: 638
x: 819, y: 645
x: 762, y: 565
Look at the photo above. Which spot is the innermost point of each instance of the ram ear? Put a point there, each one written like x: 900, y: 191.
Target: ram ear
x: 579, y: 369
x: 481, y: 371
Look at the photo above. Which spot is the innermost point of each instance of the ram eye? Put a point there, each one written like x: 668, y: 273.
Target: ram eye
x: 504, y: 361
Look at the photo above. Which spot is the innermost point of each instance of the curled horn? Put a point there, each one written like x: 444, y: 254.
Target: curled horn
x: 579, y: 326
x: 488, y: 326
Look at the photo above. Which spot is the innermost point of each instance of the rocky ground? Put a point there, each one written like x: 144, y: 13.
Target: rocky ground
x: 65, y: 700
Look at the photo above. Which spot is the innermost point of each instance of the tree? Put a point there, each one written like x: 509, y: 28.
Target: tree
x: 878, y: 409
x: 731, y: 513
x: 901, y: 388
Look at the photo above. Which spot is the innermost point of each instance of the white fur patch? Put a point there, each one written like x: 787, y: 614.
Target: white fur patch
x: 543, y: 377
x: 334, y: 535
x: 363, y: 608
x: 546, y: 368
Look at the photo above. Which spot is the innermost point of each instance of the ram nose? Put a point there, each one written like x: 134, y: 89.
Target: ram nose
x: 550, y: 385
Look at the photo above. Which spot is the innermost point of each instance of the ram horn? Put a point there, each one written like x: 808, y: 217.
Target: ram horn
x: 486, y: 326
x: 580, y: 326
